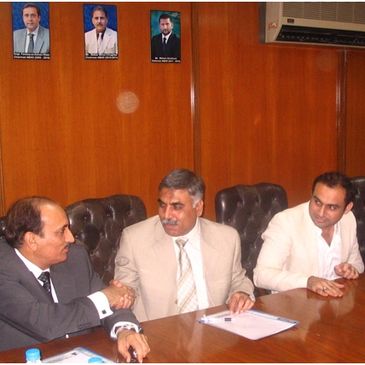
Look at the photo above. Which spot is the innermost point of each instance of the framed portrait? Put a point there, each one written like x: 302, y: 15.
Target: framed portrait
x: 165, y: 36
x: 100, y: 31
x: 31, y: 38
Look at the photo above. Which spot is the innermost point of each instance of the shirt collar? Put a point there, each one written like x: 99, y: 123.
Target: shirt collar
x: 36, y: 271
x: 191, y: 236
x: 166, y: 36
x: 35, y: 32
x: 336, y: 231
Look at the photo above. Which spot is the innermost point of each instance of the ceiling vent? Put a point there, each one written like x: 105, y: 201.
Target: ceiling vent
x: 326, y: 23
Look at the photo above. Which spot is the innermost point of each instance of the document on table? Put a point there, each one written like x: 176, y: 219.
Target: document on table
x: 251, y: 324
x: 79, y: 355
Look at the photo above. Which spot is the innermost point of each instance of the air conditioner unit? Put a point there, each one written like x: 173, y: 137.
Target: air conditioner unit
x: 326, y: 23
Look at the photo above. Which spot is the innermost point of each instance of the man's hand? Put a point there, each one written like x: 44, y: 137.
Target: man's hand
x: 119, y: 295
x: 325, y: 287
x: 346, y: 271
x: 138, y: 342
x: 239, y: 302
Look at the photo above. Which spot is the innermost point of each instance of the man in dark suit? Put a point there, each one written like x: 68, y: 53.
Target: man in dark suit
x: 74, y: 298
x: 166, y: 45
x: 33, y: 38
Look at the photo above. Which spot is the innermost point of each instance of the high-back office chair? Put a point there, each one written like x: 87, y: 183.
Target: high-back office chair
x: 249, y: 208
x: 98, y: 224
x: 359, y: 211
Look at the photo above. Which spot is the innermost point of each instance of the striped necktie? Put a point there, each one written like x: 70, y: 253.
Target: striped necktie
x: 187, y: 300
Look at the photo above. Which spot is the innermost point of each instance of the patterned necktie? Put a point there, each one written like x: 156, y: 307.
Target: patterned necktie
x: 45, y: 277
x: 31, y: 43
x: 187, y: 300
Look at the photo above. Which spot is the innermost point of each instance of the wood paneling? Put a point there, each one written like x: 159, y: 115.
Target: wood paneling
x: 235, y: 110
x: 62, y: 134
x: 267, y: 112
x: 355, y: 113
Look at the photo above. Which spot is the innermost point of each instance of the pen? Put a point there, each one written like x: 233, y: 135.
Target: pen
x: 206, y: 319
x: 133, y: 354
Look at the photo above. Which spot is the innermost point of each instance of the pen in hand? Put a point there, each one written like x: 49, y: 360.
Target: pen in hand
x: 133, y: 354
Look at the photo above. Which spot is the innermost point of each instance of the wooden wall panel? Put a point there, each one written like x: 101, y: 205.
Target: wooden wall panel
x: 235, y: 110
x: 355, y: 114
x: 62, y: 134
x: 267, y: 112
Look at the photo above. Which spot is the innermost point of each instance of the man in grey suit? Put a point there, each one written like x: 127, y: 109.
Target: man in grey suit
x: 157, y: 255
x: 34, y: 38
x: 48, y: 288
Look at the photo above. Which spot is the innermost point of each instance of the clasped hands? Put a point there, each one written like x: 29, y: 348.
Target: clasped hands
x: 119, y: 295
x: 331, y: 288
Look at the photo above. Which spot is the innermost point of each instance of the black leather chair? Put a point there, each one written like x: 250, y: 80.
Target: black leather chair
x: 98, y: 224
x: 359, y: 211
x: 249, y: 208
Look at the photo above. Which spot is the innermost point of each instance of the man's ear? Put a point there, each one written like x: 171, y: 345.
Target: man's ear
x: 30, y: 240
x: 199, y: 207
x: 348, y: 207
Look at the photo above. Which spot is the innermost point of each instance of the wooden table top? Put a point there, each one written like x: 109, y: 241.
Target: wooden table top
x: 329, y: 330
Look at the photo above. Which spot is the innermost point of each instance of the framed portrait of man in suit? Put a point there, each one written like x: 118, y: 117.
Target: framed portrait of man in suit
x: 100, y: 31
x: 165, y: 36
x: 31, y: 38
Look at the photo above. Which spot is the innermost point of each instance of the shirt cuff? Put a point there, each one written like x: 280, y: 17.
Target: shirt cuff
x: 101, y: 303
x: 120, y: 326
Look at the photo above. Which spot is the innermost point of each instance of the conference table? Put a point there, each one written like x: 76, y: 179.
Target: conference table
x: 329, y: 330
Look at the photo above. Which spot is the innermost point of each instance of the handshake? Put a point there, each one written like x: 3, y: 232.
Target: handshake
x: 119, y: 295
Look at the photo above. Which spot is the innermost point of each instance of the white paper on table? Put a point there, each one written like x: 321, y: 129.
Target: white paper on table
x: 251, y: 324
x: 78, y: 355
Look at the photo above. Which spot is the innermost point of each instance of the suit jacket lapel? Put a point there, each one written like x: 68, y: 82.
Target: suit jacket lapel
x: 310, y: 234
x: 164, y: 249
x: 210, y: 253
x: 26, y: 277
x: 40, y: 40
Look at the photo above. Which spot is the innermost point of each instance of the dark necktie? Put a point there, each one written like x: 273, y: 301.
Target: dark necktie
x: 46, y: 279
x: 31, y: 43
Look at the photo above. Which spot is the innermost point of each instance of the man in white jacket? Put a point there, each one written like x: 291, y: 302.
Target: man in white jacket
x: 101, y: 40
x: 314, y: 243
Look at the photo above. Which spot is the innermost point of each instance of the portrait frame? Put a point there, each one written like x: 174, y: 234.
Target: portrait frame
x: 108, y: 49
x: 41, y: 46
x: 171, y: 53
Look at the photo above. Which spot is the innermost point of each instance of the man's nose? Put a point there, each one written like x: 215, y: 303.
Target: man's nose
x: 168, y: 212
x: 321, y: 210
x: 69, y: 237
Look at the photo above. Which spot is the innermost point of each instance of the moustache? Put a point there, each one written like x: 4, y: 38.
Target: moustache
x: 171, y: 222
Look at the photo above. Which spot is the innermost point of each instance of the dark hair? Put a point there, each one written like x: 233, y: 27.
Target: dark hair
x: 32, y: 5
x: 100, y: 8
x: 184, y: 179
x: 333, y: 179
x: 24, y: 216
x: 165, y: 16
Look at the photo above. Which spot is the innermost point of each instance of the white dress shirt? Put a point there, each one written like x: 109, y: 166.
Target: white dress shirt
x: 329, y: 255
x: 166, y: 36
x: 193, y: 250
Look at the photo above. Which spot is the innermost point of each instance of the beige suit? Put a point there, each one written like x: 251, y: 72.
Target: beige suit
x: 289, y: 254
x: 146, y: 261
